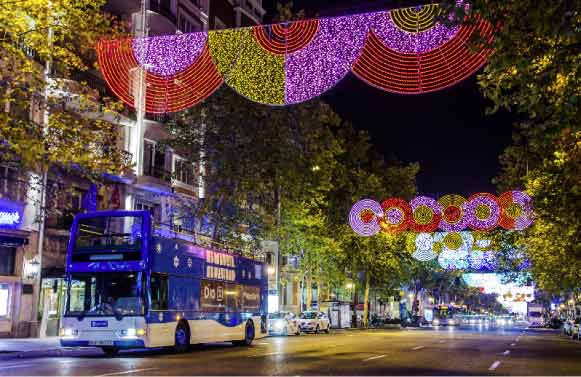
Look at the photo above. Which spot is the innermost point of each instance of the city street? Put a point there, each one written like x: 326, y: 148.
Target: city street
x: 445, y: 351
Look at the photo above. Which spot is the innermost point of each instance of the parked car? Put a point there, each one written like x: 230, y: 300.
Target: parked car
x: 312, y: 321
x: 575, y: 330
x: 568, y: 327
x: 283, y: 323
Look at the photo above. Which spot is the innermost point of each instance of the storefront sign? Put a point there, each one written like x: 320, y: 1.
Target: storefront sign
x: 31, y: 268
x: 10, y: 214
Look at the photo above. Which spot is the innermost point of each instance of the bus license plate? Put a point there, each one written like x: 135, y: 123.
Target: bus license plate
x: 101, y: 343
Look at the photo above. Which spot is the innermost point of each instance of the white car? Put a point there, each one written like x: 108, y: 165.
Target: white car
x: 283, y: 323
x: 315, y: 322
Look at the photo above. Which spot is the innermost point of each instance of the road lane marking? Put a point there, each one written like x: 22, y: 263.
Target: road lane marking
x: 263, y: 343
x: 12, y: 366
x: 442, y: 341
x: 506, y: 353
x: 266, y: 354
x: 418, y: 348
x: 374, y: 357
x: 66, y: 361
x: 512, y: 344
x: 126, y: 372
x: 494, y: 365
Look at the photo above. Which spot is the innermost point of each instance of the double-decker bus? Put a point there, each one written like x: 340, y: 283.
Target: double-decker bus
x: 445, y: 315
x: 130, y: 285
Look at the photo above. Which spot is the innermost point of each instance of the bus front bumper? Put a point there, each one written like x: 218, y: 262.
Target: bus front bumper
x: 122, y: 344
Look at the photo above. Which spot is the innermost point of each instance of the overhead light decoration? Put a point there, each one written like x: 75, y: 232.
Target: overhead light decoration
x: 424, y: 245
x: 426, y: 214
x: 403, y: 51
x: 482, y: 212
x: 363, y: 217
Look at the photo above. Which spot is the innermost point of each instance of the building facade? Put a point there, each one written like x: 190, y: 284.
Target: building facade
x: 169, y: 185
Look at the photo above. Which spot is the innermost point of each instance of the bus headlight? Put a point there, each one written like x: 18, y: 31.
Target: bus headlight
x: 436, y: 322
x: 451, y: 322
x: 131, y: 332
x: 279, y: 325
x: 67, y: 332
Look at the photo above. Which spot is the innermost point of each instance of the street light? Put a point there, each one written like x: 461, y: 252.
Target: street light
x: 349, y: 285
x: 270, y: 270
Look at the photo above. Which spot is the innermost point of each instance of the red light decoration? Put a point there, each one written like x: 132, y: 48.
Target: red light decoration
x: 163, y: 93
x: 282, y: 39
x: 397, y: 215
x: 416, y: 73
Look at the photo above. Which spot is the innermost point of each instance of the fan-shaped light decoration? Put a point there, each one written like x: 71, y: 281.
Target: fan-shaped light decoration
x: 397, y: 215
x: 482, y: 241
x: 403, y: 50
x: 426, y: 214
x: 453, y: 216
x: 178, y: 70
x: 363, y: 217
x: 424, y: 255
x: 409, y: 53
x: 482, y: 211
x: 516, y: 212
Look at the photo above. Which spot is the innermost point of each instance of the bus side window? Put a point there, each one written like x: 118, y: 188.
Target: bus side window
x: 159, y: 292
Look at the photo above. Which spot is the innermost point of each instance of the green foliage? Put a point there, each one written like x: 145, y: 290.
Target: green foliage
x: 62, y: 33
x: 535, y: 71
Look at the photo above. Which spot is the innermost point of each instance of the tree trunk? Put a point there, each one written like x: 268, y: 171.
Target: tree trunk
x: 366, y: 302
x: 319, y: 291
x: 309, y: 283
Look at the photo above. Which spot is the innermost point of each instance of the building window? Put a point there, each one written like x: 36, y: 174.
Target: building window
x: 153, y: 161
x: 9, y: 183
x: 4, y: 300
x: 7, y: 257
x: 184, y: 171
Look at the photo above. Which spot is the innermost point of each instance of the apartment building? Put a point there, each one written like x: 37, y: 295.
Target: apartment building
x: 169, y: 185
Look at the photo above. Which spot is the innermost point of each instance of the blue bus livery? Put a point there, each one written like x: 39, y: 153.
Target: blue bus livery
x: 132, y: 286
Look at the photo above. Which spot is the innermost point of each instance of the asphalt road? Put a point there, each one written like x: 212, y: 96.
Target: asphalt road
x: 445, y: 351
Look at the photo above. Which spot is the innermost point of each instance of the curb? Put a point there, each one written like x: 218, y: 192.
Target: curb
x: 52, y: 352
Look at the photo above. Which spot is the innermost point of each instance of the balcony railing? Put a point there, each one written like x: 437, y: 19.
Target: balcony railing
x: 163, y: 7
x: 157, y: 172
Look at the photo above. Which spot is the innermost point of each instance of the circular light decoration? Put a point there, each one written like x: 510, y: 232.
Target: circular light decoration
x: 426, y: 214
x: 482, y: 211
x: 424, y: 247
x: 453, y: 260
x: 363, y: 217
x: 453, y: 216
x: 516, y: 210
x: 397, y: 215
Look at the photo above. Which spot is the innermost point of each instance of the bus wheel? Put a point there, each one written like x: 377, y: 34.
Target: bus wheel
x: 248, y: 335
x: 110, y: 351
x: 182, y: 338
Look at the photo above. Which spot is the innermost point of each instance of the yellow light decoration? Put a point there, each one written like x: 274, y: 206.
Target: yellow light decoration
x: 247, y: 67
x: 416, y: 19
x: 453, y: 240
x: 482, y: 212
x: 423, y: 215
x: 514, y: 211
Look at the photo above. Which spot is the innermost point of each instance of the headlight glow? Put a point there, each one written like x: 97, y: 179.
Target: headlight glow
x: 451, y: 322
x: 436, y: 322
x: 278, y: 324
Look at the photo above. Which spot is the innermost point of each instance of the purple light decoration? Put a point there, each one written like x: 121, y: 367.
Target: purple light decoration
x: 469, y: 209
x: 526, y: 202
x: 170, y: 54
x: 453, y: 260
x: 483, y: 260
x: 411, y: 43
x: 320, y: 65
x: 424, y: 242
x: 432, y: 204
x: 394, y: 216
x: 365, y: 229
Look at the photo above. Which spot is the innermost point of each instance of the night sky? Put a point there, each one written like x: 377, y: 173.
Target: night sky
x: 447, y: 132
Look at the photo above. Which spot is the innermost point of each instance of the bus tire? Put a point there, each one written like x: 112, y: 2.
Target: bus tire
x: 182, y: 337
x: 110, y: 351
x: 248, y: 335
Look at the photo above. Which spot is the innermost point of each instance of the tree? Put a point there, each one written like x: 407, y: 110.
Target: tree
x: 535, y: 73
x: 51, y: 118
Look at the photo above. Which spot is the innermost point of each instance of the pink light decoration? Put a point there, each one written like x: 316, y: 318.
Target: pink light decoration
x: 488, y: 205
x: 363, y: 217
x: 169, y: 54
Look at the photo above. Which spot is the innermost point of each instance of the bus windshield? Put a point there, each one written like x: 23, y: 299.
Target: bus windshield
x: 106, y: 232
x: 104, y: 294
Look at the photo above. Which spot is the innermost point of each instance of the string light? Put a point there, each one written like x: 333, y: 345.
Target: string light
x: 426, y: 214
x: 453, y: 216
x: 482, y: 211
x: 516, y: 212
x: 397, y: 215
x: 363, y: 217
x: 402, y: 51
x: 247, y: 67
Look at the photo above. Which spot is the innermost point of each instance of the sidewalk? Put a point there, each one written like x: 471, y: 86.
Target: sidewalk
x: 29, y: 347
